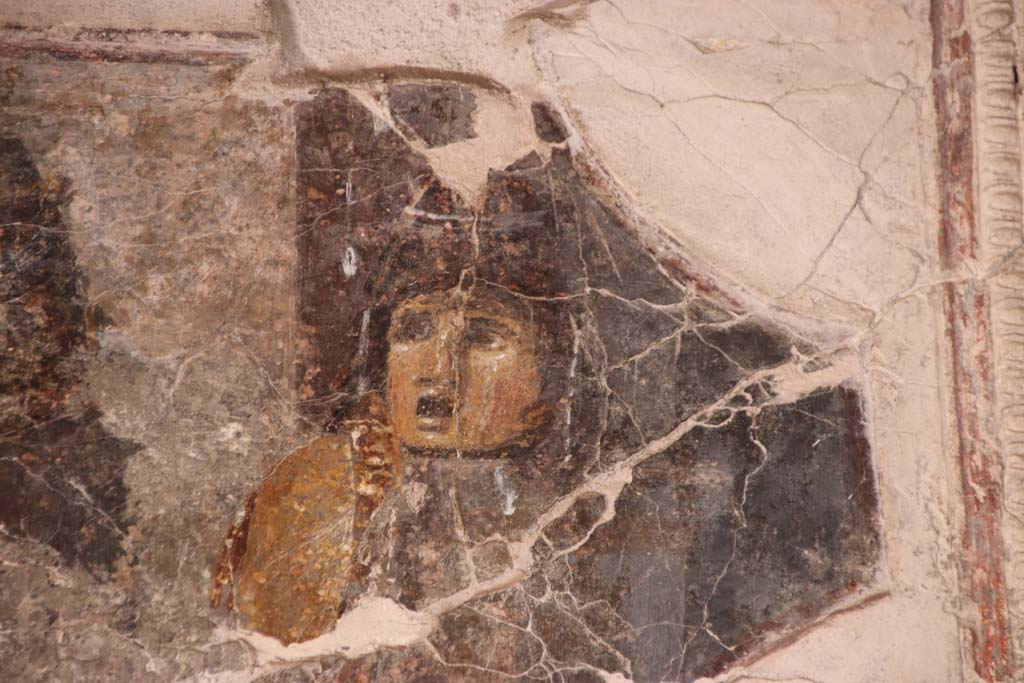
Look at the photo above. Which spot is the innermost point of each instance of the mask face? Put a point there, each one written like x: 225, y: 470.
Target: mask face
x: 462, y: 373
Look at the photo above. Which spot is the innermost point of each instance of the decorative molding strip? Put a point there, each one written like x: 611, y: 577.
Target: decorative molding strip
x: 968, y: 307
x: 119, y: 45
x: 1001, y: 227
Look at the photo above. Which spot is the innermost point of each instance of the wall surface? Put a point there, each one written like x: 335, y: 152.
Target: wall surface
x: 750, y: 274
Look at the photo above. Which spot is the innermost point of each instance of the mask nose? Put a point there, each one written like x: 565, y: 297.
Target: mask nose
x: 439, y: 367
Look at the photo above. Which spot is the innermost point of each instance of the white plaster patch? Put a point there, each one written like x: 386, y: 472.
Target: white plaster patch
x: 349, y: 261
x: 374, y: 623
x: 508, y: 494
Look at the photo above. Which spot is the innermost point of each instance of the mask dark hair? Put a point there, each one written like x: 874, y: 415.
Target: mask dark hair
x: 498, y: 255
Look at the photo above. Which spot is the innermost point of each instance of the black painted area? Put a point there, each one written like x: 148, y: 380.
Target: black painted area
x: 548, y: 123
x: 732, y: 533
x: 438, y: 114
x: 61, y: 472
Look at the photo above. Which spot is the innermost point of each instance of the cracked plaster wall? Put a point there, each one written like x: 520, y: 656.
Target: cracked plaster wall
x: 786, y: 147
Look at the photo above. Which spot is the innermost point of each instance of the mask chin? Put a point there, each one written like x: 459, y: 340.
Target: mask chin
x: 517, y: 446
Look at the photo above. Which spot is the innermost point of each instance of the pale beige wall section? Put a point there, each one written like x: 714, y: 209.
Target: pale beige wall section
x: 792, y: 125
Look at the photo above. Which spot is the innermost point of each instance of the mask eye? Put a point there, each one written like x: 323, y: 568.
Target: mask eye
x: 413, y: 326
x: 487, y: 334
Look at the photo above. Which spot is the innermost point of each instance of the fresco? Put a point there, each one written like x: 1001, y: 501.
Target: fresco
x: 572, y: 451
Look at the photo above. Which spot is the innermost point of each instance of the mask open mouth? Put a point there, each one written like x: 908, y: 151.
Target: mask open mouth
x: 436, y: 406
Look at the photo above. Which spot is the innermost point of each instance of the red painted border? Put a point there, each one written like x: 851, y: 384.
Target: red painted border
x: 137, y: 46
x: 967, y: 310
